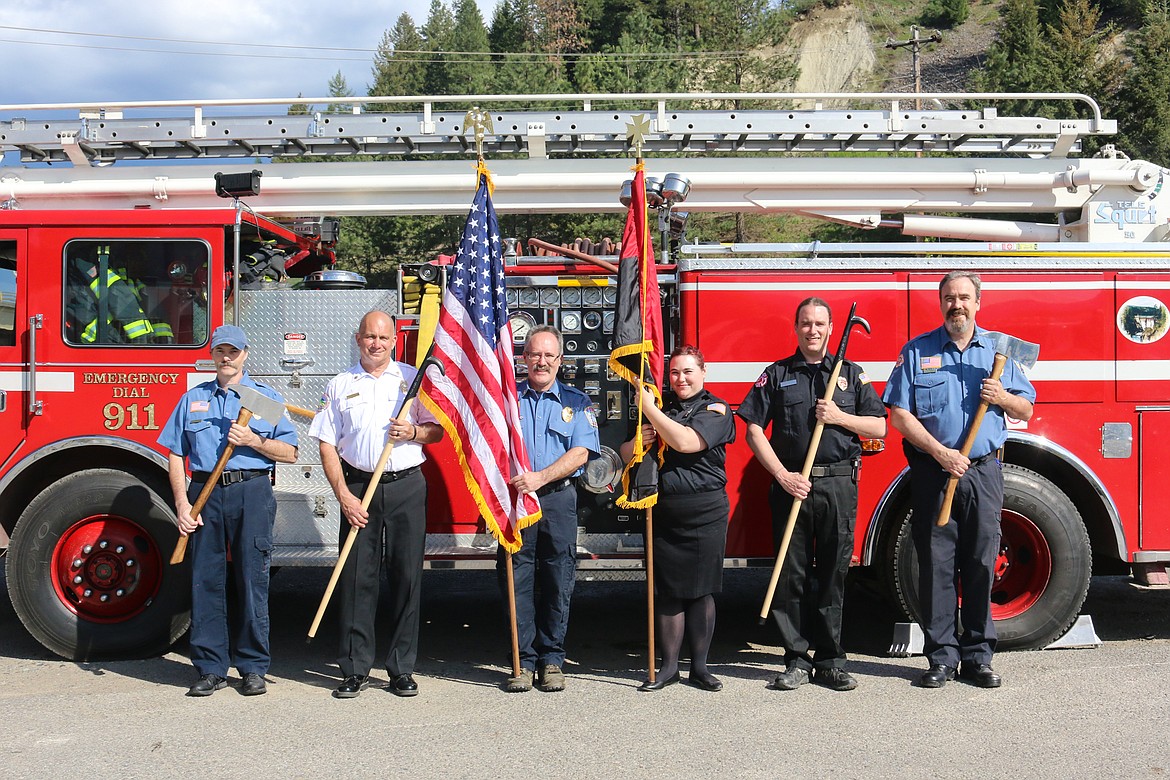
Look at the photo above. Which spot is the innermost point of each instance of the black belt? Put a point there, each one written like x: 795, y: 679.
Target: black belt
x: 993, y: 455
x: 843, y: 469
x: 357, y: 475
x: 554, y: 487
x: 231, y: 477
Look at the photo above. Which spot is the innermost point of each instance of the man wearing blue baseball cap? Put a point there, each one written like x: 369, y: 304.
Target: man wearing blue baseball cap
x: 237, y: 517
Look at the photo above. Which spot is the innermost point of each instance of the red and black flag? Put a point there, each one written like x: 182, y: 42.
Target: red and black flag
x: 637, y: 355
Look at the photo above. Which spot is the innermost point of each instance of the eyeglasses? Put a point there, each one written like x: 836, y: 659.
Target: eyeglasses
x: 538, y: 355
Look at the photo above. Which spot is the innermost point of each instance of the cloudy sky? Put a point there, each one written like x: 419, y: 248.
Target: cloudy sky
x: 63, y: 51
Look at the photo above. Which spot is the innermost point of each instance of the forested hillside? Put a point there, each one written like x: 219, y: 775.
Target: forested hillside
x: 1113, y: 50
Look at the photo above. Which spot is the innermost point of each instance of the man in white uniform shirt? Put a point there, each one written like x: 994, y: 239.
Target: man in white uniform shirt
x: 353, y: 423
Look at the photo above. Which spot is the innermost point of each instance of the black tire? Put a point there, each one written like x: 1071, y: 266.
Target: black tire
x: 1044, y: 565
x: 124, y: 600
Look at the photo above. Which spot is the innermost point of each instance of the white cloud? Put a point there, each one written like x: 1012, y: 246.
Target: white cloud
x: 58, y: 68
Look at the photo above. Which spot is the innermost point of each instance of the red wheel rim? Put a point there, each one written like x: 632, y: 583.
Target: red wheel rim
x: 1023, y: 567
x: 106, y: 569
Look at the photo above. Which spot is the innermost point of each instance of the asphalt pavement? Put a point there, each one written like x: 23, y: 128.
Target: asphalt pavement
x: 1085, y: 713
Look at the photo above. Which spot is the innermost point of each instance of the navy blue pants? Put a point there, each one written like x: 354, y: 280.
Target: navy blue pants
x: 811, y: 589
x: 962, y: 552
x: 237, y: 518
x: 545, y: 570
x: 394, y: 539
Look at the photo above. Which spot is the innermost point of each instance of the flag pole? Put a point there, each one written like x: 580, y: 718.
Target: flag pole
x: 636, y: 130
x: 481, y: 121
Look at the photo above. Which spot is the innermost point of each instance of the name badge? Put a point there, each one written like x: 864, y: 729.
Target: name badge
x: 788, y: 383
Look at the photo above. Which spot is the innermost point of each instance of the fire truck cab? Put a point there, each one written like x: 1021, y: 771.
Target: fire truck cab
x: 116, y: 264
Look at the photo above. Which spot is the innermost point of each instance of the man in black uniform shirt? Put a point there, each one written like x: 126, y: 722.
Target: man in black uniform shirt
x: 789, y: 395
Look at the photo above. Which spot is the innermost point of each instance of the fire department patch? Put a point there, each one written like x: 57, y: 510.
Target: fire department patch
x: 199, y: 406
x: 898, y: 362
x: 591, y: 416
x: 322, y: 403
x: 763, y: 380
x: 717, y: 408
x: 842, y: 383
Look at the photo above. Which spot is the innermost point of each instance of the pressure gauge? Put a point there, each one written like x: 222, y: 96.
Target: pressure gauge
x: 550, y: 296
x: 610, y: 296
x: 522, y: 324
x: 607, y: 322
x: 571, y: 296
x: 592, y: 320
x: 571, y: 321
x: 591, y: 296
x: 510, y: 298
x: 529, y: 296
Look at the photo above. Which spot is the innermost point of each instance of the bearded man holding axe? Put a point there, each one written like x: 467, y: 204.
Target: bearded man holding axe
x: 948, y: 396
x: 819, y: 405
x: 233, y: 430
x: 370, y: 437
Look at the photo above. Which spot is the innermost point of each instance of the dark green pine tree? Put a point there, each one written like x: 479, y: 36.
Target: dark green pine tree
x: 521, y: 66
x: 400, y: 62
x: 439, y: 36
x: 1018, y: 60
x: 636, y: 62
x: 1144, y: 98
x: 338, y: 89
x: 470, y: 69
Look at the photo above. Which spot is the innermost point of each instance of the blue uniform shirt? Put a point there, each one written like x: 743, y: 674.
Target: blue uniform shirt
x: 199, y: 425
x: 555, y: 421
x: 940, y: 386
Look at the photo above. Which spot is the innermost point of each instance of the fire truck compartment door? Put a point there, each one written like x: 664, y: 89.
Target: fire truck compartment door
x: 14, y: 344
x: 1154, y: 533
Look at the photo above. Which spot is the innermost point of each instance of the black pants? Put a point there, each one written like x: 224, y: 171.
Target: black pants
x: 961, y: 552
x: 818, y: 555
x: 395, y: 537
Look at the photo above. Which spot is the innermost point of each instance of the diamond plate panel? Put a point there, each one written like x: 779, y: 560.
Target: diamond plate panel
x: 306, y: 331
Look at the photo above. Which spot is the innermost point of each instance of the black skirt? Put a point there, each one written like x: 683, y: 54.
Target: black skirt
x: 690, y: 537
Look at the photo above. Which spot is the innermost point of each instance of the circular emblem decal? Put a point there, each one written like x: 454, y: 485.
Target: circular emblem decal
x: 1143, y: 320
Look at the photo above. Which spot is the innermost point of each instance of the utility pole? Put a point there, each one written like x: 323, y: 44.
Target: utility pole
x: 915, y: 44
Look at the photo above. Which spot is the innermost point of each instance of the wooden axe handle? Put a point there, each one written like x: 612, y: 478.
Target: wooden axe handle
x: 809, y: 458
x: 181, y: 546
x: 944, y: 513
x: 353, y: 530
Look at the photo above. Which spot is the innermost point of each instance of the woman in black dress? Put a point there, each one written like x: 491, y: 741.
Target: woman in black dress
x: 690, y: 518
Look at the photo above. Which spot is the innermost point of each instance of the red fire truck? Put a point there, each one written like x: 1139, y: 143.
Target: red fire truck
x: 102, y: 193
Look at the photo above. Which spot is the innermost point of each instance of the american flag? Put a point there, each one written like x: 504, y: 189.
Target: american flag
x: 476, y: 401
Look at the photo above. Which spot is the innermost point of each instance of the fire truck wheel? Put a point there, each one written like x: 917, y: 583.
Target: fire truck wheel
x: 88, y: 568
x: 1042, y: 571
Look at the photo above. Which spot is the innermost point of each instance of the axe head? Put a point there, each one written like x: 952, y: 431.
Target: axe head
x: 258, y: 404
x: 1023, y: 352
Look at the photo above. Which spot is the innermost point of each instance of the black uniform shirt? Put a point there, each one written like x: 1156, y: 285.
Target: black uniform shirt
x: 786, y: 396
x: 697, y: 472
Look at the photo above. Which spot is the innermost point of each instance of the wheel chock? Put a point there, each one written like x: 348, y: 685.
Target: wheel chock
x: 1080, y: 634
x: 907, y: 641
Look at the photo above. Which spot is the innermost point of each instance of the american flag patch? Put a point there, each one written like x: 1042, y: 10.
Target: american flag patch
x: 932, y: 363
x: 717, y: 408
x: 199, y: 406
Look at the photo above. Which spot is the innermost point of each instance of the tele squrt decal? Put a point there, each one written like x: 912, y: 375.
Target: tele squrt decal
x: 1143, y: 320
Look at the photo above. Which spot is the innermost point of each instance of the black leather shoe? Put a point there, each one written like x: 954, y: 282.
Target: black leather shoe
x: 936, y: 676
x: 980, y: 675
x: 351, y: 686
x: 404, y: 685
x: 705, y: 681
x: 660, y: 683
x: 253, y: 685
x: 207, y: 685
